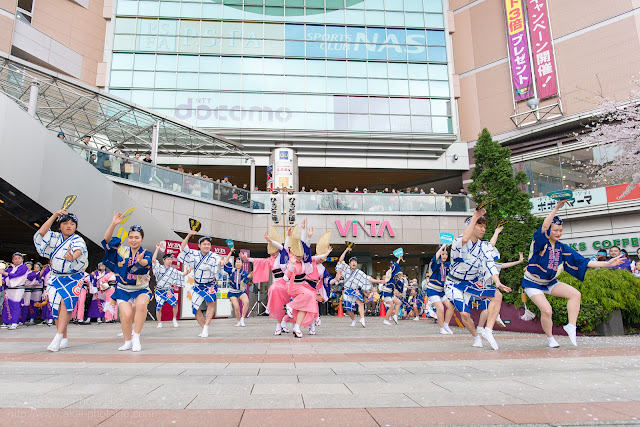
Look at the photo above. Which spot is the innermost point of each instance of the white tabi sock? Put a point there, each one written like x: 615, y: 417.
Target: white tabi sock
x: 136, y: 346
x: 175, y: 323
x: 477, y: 341
x: 353, y: 322
x: 126, y: 346
x: 205, y: 331
x: 571, y: 331
x: 447, y: 328
x: 283, y: 324
x: 159, y: 325
x: 64, y: 343
x: 552, y: 342
x: 55, y: 344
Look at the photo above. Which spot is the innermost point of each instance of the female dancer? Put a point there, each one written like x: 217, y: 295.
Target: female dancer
x: 14, y: 280
x: 36, y: 294
x: 303, y: 307
x: 278, y: 295
x: 392, y: 291
x: 238, y: 279
x: 68, y: 255
x: 205, y: 270
x: 47, y: 315
x: 435, y: 289
x: 131, y: 266
x: 547, y: 257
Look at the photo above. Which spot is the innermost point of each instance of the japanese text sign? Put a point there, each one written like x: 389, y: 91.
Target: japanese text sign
x: 518, y: 51
x: 542, y: 48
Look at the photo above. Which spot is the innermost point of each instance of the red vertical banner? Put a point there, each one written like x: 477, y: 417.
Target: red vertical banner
x: 544, y: 62
x: 518, y: 51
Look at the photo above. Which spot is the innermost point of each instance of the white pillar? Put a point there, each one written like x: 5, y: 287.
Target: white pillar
x: 33, y: 98
x: 154, y: 142
x: 252, y: 180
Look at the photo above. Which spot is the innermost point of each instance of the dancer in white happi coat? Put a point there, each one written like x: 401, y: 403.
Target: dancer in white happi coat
x: 166, y: 278
x: 68, y: 255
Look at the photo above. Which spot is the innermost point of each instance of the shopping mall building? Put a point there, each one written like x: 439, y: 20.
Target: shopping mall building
x: 333, y: 93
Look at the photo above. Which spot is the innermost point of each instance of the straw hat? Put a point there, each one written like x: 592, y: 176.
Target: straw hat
x: 295, y: 243
x: 274, y: 235
x: 323, y: 243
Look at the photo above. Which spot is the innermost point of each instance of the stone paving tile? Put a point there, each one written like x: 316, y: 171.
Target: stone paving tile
x: 418, y: 378
x: 162, y: 418
x: 32, y: 388
x: 288, y: 389
x: 97, y: 388
x: 475, y: 415
x: 308, y: 418
x: 26, y: 377
x: 461, y: 398
x: 297, y: 371
x: 83, y: 379
x: 205, y: 379
x: 394, y: 388
x: 176, y: 401
x: 573, y: 396
x: 256, y: 379
x: 557, y: 413
x: 49, y: 400
x: 56, y: 417
x: 168, y: 390
x: 628, y: 408
x: 246, y: 402
x: 340, y: 379
x: 363, y: 400
x: 229, y: 370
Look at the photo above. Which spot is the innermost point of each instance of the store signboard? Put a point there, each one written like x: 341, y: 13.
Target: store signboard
x: 518, y: 50
x: 542, y: 48
x: 590, y: 245
x: 581, y: 199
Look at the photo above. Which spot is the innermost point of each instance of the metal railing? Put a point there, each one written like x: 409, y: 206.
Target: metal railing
x: 371, y: 202
x: 160, y: 177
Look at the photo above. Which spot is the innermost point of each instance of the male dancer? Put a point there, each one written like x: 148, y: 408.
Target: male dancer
x: 469, y: 257
x: 354, y: 281
x: 205, y: 270
x: 68, y: 255
x: 166, y: 277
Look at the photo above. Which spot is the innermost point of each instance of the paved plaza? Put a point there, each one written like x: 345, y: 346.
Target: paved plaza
x: 406, y: 375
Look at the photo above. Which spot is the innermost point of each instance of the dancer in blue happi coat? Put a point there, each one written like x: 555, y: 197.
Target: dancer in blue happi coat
x: 131, y: 265
x: 238, y: 279
x: 548, y: 257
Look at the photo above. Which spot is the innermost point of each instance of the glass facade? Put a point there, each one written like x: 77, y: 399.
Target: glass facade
x: 368, y: 65
x: 572, y: 170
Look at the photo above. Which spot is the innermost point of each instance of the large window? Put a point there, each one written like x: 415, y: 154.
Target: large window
x: 374, y: 65
x: 570, y: 170
x: 25, y: 11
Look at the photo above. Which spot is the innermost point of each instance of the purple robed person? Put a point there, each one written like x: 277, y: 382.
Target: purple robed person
x: 14, y: 283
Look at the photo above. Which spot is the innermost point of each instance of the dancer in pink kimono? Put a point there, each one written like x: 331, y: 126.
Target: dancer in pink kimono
x: 278, y: 295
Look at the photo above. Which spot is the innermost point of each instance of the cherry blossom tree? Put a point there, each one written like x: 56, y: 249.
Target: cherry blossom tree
x: 618, y: 124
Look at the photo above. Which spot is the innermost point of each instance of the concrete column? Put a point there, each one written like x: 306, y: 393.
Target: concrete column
x: 252, y: 179
x: 33, y: 98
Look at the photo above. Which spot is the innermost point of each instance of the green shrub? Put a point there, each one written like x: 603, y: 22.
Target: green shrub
x: 603, y: 291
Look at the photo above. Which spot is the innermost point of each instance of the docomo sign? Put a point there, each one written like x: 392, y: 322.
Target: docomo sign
x: 374, y: 228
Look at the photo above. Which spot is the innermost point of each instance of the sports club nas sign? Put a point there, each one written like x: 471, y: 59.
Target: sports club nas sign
x: 371, y: 228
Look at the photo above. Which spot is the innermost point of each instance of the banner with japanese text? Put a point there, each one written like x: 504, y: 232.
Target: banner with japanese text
x: 542, y: 48
x: 518, y: 51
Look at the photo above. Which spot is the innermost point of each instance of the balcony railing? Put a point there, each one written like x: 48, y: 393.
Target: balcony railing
x: 139, y: 172
x: 319, y: 203
x: 133, y: 170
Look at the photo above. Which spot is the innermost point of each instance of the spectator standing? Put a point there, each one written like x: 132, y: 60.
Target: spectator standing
x: 145, y: 170
x: 116, y: 162
x: 614, y: 251
x: 103, y: 162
